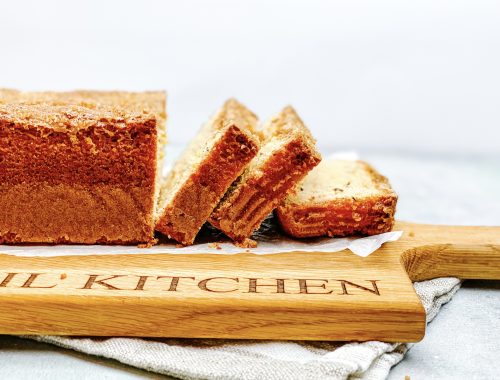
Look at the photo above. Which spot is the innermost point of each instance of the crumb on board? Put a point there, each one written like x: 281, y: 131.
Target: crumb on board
x: 149, y: 244
x: 407, y: 377
x: 63, y: 276
x: 411, y: 234
x: 247, y: 243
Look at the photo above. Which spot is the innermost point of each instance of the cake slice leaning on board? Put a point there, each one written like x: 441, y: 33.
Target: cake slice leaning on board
x: 201, y: 175
x: 287, y: 154
x: 339, y: 198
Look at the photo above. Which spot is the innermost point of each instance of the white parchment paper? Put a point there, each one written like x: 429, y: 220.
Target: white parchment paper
x: 270, y: 241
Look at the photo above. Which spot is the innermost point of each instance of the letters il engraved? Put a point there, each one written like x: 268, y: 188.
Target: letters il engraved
x: 110, y: 282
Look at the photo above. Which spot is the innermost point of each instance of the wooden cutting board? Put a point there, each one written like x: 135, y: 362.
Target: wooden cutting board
x: 299, y: 296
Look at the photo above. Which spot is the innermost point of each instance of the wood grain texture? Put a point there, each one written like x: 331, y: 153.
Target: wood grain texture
x: 299, y: 296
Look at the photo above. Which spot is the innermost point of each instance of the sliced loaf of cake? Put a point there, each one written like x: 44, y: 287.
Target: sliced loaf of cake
x: 201, y: 175
x: 287, y: 154
x: 339, y: 198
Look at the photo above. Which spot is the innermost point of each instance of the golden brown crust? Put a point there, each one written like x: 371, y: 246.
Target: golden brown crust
x: 250, y: 200
x: 148, y: 101
x: 342, y: 216
x: 76, y: 175
x: 193, y: 203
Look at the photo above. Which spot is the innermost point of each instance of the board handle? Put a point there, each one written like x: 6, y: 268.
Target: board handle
x: 454, y: 251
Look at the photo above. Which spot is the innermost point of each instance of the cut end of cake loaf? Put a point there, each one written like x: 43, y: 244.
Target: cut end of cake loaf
x: 287, y: 154
x: 117, y: 102
x: 339, y: 198
x: 201, y: 175
x: 72, y: 174
x: 113, y: 132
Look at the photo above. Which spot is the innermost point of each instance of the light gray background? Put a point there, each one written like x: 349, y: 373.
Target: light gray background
x: 421, y: 75
x: 413, y: 86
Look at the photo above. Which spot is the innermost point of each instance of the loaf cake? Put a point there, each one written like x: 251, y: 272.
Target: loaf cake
x: 287, y: 154
x: 201, y: 175
x: 339, y: 198
x: 76, y: 174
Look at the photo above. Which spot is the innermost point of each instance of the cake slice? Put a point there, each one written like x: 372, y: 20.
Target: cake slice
x: 287, y: 154
x: 201, y: 175
x: 74, y: 174
x: 339, y: 198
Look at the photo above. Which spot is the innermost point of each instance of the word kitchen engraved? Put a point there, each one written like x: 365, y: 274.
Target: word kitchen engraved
x: 183, y: 284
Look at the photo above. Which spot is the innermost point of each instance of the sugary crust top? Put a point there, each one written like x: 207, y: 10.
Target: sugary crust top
x: 140, y: 102
x: 69, y: 118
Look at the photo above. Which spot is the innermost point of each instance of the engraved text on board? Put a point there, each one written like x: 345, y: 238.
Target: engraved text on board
x: 186, y: 283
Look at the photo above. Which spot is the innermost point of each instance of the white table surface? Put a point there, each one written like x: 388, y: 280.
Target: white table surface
x: 463, y: 341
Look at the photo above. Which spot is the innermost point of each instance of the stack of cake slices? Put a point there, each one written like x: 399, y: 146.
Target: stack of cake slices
x: 84, y: 167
